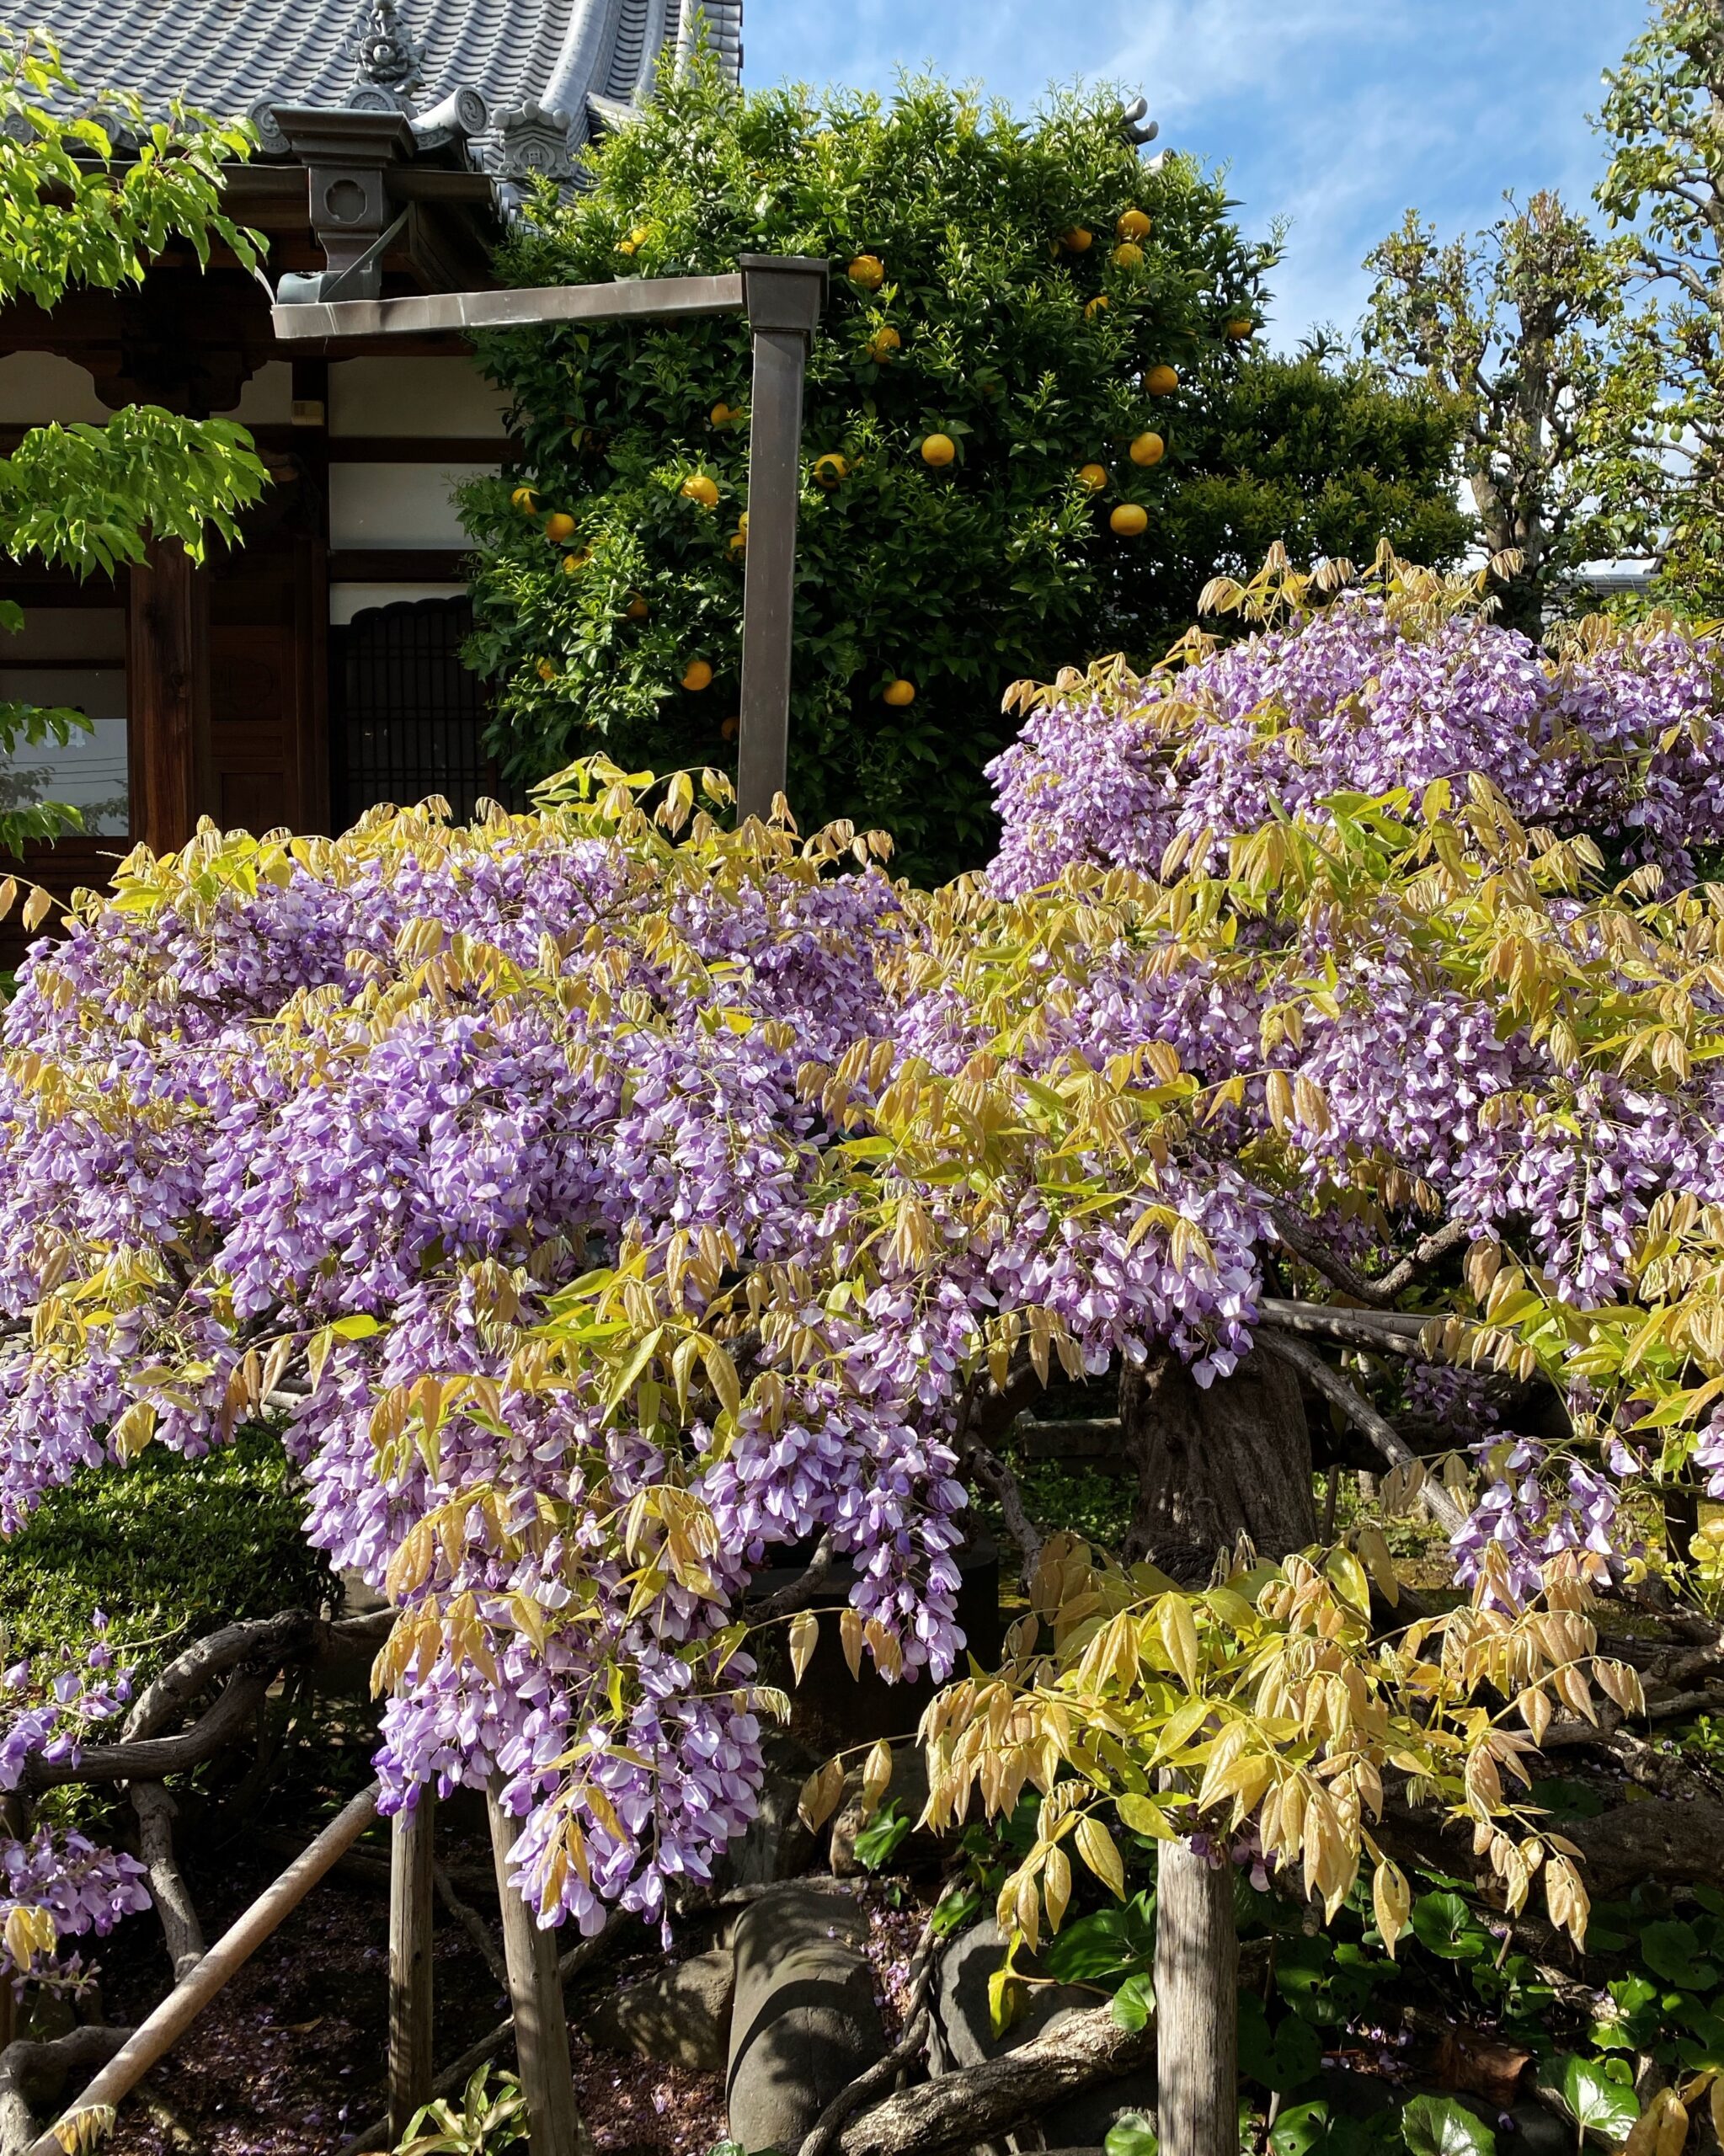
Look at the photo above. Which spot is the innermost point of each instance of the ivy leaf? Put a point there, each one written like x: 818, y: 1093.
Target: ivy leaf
x: 1131, y: 2134
x: 1597, y: 2103
x: 1438, y: 2126
x: 1672, y: 1949
x: 1134, y: 2001
x: 876, y: 1844
x: 1445, y: 1926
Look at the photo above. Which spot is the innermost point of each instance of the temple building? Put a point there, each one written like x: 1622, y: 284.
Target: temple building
x: 313, y: 671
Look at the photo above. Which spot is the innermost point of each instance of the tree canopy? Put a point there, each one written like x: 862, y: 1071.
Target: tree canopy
x: 1039, y: 418
x: 91, y: 190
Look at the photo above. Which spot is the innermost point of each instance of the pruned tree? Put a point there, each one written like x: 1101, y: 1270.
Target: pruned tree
x: 1523, y: 331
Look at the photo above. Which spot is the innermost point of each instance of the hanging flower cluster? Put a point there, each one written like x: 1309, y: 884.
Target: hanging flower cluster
x: 612, y: 1204
x: 1395, y: 682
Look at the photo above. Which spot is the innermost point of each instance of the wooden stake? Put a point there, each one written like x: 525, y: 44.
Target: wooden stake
x: 411, y: 1852
x: 536, y: 1993
x: 157, y: 2036
x: 1197, y: 2005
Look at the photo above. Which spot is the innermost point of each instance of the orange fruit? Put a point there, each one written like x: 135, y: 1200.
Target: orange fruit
x: 729, y: 729
x: 1148, y: 449
x: 899, y: 693
x: 1162, y: 382
x: 547, y: 672
x: 1133, y: 225
x: 830, y: 469
x: 698, y: 676
x: 1094, y: 476
x: 701, y: 489
x: 868, y: 271
x: 1078, y: 239
x: 1128, y: 255
x: 525, y: 500
x: 559, y: 527
x: 1239, y: 327
x: 1130, y: 519
x: 938, y: 450
x: 739, y: 540
x: 722, y: 415
x: 573, y: 564
x: 1094, y: 306
x: 637, y: 609
x: 884, y: 342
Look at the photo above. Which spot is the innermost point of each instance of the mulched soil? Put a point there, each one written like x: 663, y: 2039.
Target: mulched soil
x: 289, y: 2059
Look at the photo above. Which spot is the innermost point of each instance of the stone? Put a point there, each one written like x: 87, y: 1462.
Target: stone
x: 680, y: 2016
x: 776, y: 1845
x: 805, y: 2021
x: 962, y: 2036
x: 1539, y: 2133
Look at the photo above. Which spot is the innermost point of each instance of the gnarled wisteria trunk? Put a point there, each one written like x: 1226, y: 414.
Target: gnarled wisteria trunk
x: 1216, y: 1463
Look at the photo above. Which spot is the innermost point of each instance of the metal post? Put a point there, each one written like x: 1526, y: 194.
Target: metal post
x: 536, y: 1993
x: 782, y: 296
x: 412, y: 1851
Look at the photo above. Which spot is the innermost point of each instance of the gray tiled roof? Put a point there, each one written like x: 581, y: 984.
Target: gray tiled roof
x: 530, y: 59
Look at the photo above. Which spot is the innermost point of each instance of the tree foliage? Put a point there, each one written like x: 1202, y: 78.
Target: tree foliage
x: 1665, y: 191
x: 91, y: 191
x: 996, y: 300
x: 610, y: 1199
x: 1525, y: 333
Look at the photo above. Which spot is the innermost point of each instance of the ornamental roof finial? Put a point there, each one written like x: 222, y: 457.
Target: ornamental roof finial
x: 383, y: 50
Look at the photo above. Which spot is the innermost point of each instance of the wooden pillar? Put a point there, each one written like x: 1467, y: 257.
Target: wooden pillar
x: 167, y: 694
x: 783, y: 296
x: 1197, y: 2005
x: 412, y: 1845
x: 536, y: 1995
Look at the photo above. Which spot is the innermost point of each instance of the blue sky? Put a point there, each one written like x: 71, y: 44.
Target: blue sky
x: 1337, y: 114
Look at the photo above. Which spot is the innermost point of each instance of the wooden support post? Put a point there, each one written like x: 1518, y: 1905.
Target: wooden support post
x: 783, y: 296
x: 536, y: 1994
x: 167, y: 694
x: 1197, y: 2002
x: 158, y: 2035
x: 412, y: 1851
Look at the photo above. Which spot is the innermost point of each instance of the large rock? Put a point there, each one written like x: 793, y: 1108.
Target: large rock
x: 805, y: 2022
x: 776, y: 1844
x: 679, y: 2016
x: 962, y: 2036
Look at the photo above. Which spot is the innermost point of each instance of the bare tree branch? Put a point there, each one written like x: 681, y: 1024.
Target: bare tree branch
x: 156, y: 1812
x: 808, y: 1586
x: 471, y: 1922
x: 996, y: 1478
x: 152, y: 1757
x: 875, y: 2079
x: 1358, y: 1410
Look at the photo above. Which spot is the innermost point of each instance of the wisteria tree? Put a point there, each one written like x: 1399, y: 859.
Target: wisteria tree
x: 605, y: 1200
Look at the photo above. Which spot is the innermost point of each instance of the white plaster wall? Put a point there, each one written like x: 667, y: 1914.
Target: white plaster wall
x: 267, y: 399
x: 347, y: 600
x: 38, y: 386
x: 397, y: 504
x: 422, y: 396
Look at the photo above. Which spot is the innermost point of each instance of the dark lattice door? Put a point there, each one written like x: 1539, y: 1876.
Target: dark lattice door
x: 407, y: 719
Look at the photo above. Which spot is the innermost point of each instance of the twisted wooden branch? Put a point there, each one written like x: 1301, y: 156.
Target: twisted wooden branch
x: 1439, y: 1502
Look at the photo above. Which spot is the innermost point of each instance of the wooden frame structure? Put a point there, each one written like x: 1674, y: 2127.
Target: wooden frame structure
x: 782, y: 296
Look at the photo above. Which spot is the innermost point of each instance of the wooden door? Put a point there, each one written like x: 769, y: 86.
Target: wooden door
x: 267, y: 758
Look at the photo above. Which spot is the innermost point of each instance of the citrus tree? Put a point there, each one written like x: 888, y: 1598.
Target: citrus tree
x: 90, y: 190
x: 605, y: 1200
x: 1036, y: 341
